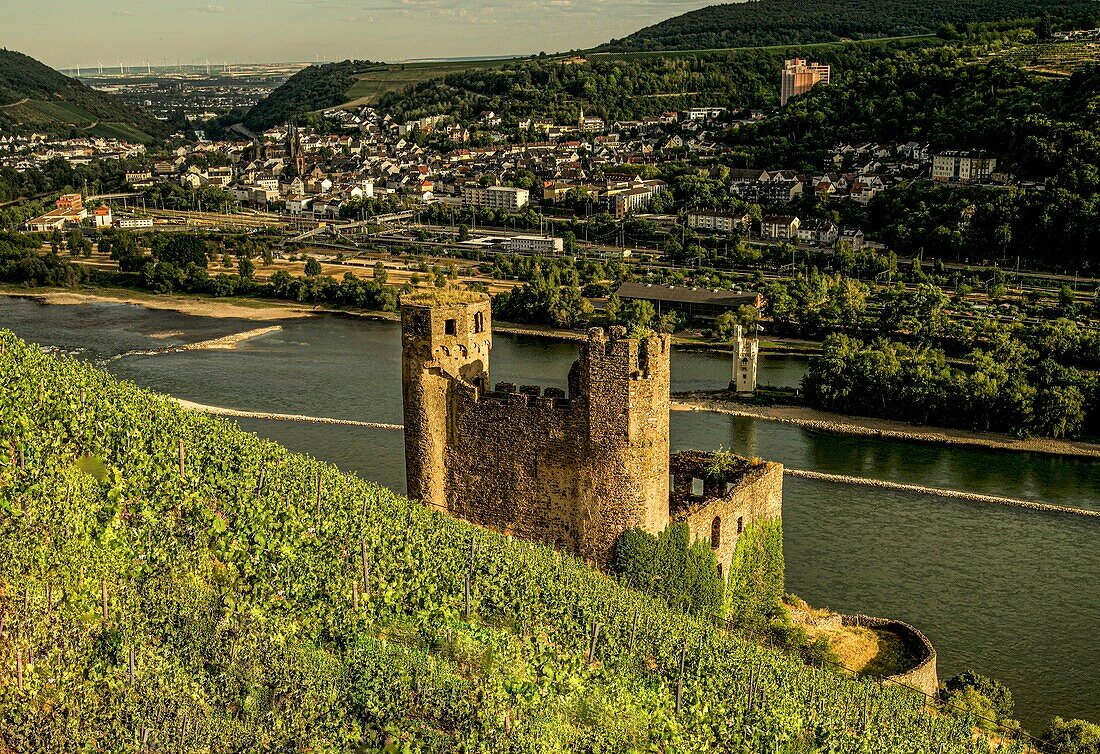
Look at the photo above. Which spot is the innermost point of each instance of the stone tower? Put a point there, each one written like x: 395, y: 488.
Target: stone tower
x: 746, y: 353
x: 445, y: 341
x: 623, y: 384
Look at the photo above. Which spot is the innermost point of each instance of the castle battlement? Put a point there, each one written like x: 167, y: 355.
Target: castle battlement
x: 574, y: 468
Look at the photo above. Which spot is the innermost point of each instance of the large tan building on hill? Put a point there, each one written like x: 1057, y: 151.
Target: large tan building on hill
x: 570, y: 468
x: 799, y: 77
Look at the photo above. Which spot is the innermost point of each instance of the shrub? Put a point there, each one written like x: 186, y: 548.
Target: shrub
x: 670, y: 566
x: 1072, y: 737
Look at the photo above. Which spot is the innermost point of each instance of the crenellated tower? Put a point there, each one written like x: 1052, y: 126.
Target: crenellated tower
x: 623, y: 386
x: 446, y: 338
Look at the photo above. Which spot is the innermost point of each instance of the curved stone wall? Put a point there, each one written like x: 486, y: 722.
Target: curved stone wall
x: 923, y: 675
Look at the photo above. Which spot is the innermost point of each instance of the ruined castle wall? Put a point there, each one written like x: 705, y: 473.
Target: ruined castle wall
x: 756, y: 496
x: 574, y: 471
x: 513, y: 464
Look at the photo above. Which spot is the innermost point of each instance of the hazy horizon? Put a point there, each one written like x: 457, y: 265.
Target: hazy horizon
x: 82, y: 33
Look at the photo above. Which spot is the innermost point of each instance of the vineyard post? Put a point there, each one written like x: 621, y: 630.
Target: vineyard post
x: 680, y: 679
x: 355, y: 596
x: 144, y: 738
x: 133, y: 664
x: 260, y: 484
x: 181, y: 458
x: 22, y: 459
x: 366, y: 566
x: 466, y: 599
x: 592, y: 642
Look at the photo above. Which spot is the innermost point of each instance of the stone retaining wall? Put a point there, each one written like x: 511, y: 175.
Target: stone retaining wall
x: 923, y: 676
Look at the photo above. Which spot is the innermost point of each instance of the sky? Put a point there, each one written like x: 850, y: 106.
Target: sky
x: 68, y: 33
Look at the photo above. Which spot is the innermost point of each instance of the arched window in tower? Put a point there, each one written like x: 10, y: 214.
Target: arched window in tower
x: 716, y: 533
x: 740, y: 524
x: 479, y: 322
x: 719, y: 570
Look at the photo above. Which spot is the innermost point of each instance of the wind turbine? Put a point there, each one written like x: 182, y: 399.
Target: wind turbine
x: 121, y: 69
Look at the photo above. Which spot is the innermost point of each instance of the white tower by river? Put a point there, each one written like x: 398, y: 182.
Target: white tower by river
x: 746, y: 351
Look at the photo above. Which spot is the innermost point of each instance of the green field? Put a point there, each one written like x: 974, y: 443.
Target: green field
x: 374, y: 82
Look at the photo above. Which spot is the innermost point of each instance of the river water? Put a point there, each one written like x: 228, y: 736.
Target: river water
x: 1010, y: 593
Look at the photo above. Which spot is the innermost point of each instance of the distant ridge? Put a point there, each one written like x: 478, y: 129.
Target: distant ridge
x: 35, y: 97
x: 795, y: 22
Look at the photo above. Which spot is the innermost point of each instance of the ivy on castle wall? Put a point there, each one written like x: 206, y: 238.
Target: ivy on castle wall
x: 670, y: 566
x: 756, y: 578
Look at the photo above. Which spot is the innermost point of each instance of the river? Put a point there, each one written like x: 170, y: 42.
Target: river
x: 1010, y: 593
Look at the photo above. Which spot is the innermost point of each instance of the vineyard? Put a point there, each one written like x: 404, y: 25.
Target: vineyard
x: 171, y: 583
x: 1053, y: 58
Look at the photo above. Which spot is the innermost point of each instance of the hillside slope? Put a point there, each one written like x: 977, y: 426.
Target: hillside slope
x: 352, y: 83
x: 787, y: 22
x: 34, y: 97
x: 169, y: 582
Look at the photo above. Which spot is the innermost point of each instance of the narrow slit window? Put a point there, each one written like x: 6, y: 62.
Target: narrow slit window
x: 479, y: 322
x: 716, y: 533
x: 740, y: 524
x: 450, y: 327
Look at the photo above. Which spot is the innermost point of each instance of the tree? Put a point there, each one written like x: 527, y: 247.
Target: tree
x: 245, y: 268
x: 972, y: 694
x: 637, y: 316
x: 78, y: 244
x: 1072, y: 737
x: 380, y: 274
x: 183, y: 249
x: 1067, y: 301
x: 463, y: 233
x: 313, y: 267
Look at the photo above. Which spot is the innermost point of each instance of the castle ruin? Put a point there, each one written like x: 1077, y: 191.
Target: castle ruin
x: 572, y: 469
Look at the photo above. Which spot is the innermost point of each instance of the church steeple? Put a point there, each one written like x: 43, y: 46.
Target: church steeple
x: 294, y: 148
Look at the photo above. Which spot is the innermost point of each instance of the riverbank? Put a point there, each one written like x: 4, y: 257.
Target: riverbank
x: 196, y: 306
x: 263, y: 310
x: 824, y: 421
